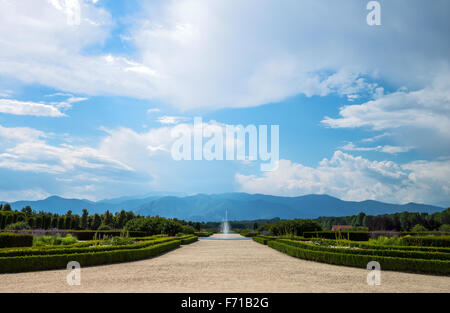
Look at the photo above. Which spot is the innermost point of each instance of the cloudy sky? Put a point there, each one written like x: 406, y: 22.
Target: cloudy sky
x: 88, y: 101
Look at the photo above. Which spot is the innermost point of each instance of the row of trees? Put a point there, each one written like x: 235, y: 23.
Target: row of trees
x: 30, y: 219
x: 404, y: 221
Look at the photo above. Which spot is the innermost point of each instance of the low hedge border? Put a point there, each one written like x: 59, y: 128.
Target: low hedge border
x: 48, y: 262
x: 73, y: 250
x: 439, y: 267
x: 262, y: 239
x: 8, y: 240
x: 367, y: 245
x: 428, y: 241
x: 203, y: 234
x: 378, y: 252
x: 185, y: 240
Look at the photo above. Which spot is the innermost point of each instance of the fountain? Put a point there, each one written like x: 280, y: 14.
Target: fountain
x: 225, y: 226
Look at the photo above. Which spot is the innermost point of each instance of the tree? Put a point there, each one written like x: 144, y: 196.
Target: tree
x: 27, y: 210
x: 418, y: 228
x: 84, y: 219
x: 7, y: 207
x: 255, y: 226
x: 96, y: 222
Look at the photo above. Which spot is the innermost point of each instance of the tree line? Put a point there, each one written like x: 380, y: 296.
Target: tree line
x: 404, y: 221
x: 27, y: 218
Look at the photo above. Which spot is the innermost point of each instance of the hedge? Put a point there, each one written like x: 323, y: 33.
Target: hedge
x: 387, y: 263
x: 185, y: 240
x: 427, y: 241
x: 368, y: 245
x: 203, y: 234
x: 263, y: 239
x: 15, y: 240
x: 48, y: 262
x: 248, y: 234
x: 378, y: 252
x: 350, y: 235
x: 75, y: 249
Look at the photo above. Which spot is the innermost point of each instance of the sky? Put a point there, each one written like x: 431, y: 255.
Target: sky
x: 92, y: 91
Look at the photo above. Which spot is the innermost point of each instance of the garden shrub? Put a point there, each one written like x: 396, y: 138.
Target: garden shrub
x: 248, y: 234
x: 440, y: 267
x: 15, y: 240
x: 203, y: 234
x: 90, y: 234
x: 378, y: 252
x: 426, y: 241
x: 349, y: 235
x: 59, y: 261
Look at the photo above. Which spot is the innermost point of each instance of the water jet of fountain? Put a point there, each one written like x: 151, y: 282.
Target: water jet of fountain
x: 225, y: 226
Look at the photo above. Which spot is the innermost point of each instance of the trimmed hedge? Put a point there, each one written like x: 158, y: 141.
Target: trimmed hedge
x: 387, y: 263
x: 47, y: 262
x: 350, y: 235
x: 203, y: 234
x: 262, y: 239
x: 426, y: 241
x: 75, y: 249
x: 15, y: 240
x: 185, y: 240
x: 378, y: 252
x: 368, y: 245
x: 248, y: 234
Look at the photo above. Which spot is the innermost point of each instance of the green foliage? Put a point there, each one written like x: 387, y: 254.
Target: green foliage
x: 185, y: 240
x: 426, y: 241
x: 445, y: 228
x: 91, y: 234
x: 187, y: 229
x: 59, y: 261
x: 249, y: 234
x: 385, y: 241
x: 418, y: 228
x: 348, y: 235
x: 105, y: 227
x: 15, y: 240
x: 18, y: 226
x: 203, y: 234
x: 441, y: 267
x: 377, y: 252
x: 294, y: 227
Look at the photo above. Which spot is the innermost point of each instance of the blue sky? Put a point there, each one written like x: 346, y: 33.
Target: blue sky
x: 87, y: 108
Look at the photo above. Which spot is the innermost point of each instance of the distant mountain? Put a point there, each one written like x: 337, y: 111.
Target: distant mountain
x: 240, y: 206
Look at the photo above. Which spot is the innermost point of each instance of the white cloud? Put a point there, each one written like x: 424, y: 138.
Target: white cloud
x: 210, y: 54
x: 172, y: 120
x: 386, y: 149
x: 355, y: 178
x: 153, y: 110
x: 16, y: 107
x: 427, y: 108
x: 25, y: 149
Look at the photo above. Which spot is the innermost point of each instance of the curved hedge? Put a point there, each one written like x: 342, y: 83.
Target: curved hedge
x: 8, y: 240
x: 59, y: 261
x: 387, y: 263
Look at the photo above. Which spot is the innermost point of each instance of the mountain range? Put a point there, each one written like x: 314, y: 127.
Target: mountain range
x: 240, y: 206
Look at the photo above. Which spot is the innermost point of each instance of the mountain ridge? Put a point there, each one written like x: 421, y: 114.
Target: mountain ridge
x: 240, y: 206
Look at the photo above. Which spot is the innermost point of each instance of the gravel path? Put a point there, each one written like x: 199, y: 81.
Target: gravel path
x: 222, y: 266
